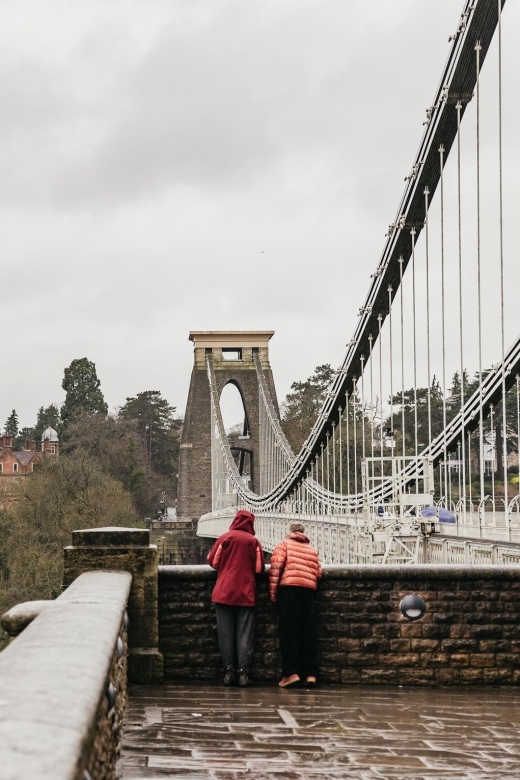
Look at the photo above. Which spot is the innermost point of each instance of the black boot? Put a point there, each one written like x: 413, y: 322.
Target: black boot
x: 243, y: 679
x: 229, y: 676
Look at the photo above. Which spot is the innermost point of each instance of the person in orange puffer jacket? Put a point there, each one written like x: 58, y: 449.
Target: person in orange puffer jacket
x: 293, y: 580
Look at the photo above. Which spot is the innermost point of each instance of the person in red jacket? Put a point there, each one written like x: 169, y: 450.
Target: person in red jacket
x: 237, y: 556
x: 293, y: 580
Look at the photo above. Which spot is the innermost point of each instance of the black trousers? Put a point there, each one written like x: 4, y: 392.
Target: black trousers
x: 297, y: 630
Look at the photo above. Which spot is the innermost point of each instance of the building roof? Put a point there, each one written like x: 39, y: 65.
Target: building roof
x: 49, y: 434
x: 24, y: 457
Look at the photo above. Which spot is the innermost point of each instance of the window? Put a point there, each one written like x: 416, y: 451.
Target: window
x: 15, y: 468
x: 52, y: 449
x: 1, y: 468
x: 231, y: 353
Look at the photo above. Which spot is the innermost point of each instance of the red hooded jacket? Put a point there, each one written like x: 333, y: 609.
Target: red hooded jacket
x: 237, y: 556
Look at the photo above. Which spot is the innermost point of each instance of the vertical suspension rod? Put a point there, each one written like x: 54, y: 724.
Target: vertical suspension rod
x: 402, y: 354
x: 478, y: 49
x: 426, y: 236
x: 461, y: 312
x: 443, y: 320
x: 502, y: 297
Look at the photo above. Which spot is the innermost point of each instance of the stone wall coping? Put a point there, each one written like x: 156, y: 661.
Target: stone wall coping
x: 368, y: 571
x: 53, y: 678
x: 111, y: 537
x: 19, y: 616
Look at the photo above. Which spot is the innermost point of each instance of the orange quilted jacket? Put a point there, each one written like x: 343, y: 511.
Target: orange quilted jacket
x: 294, y: 562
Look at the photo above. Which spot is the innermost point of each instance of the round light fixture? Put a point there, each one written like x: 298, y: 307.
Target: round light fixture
x: 413, y: 607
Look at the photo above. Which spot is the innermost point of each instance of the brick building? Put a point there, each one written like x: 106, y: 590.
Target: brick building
x: 20, y: 463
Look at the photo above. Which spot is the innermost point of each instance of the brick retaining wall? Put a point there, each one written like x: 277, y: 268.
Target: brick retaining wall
x: 469, y: 635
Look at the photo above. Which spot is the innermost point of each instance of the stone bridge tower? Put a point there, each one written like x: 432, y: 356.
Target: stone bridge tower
x: 233, y: 362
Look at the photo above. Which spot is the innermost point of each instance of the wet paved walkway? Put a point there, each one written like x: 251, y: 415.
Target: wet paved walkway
x: 366, y: 733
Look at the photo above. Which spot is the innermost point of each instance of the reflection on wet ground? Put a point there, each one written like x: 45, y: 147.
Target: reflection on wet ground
x: 367, y: 733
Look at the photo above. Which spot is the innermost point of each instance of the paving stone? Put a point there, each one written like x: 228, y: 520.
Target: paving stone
x: 203, y: 732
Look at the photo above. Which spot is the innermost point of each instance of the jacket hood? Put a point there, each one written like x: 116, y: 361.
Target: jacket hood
x: 299, y: 537
x: 244, y: 521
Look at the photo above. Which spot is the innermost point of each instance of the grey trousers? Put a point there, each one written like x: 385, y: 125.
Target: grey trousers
x: 236, y: 634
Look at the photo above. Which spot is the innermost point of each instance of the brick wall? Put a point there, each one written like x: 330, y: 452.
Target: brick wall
x: 469, y: 635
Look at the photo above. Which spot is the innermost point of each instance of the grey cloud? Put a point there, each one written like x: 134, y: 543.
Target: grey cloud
x: 229, y: 100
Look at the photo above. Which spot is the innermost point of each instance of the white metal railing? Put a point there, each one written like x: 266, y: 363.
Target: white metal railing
x: 345, y: 540
x: 461, y: 551
x: 336, y: 540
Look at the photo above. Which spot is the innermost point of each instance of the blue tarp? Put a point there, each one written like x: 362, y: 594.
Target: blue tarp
x: 444, y: 515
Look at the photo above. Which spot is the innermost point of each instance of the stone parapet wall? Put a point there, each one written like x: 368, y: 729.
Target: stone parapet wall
x: 59, y: 720
x: 125, y: 549
x: 177, y: 543
x: 469, y: 635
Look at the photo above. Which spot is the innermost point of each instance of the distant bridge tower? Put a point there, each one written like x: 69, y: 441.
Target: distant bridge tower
x: 233, y: 355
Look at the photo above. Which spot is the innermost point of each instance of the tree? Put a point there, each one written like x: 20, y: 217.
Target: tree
x: 61, y: 496
x: 82, y: 387
x: 24, y: 434
x: 156, y: 422
x: 436, y: 416
x: 11, y: 424
x: 118, y: 447
x: 47, y: 416
x: 301, y: 406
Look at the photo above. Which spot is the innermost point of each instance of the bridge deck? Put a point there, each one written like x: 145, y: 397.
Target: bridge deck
x: 201, y: 732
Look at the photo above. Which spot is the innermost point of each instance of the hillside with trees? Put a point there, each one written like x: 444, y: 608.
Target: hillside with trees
x: 113, y: 470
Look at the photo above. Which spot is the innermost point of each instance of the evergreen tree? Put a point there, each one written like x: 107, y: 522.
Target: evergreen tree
x: 301, y: 406
x: 48, y: 416
x: 24, y: 434
x: 11, y: 424
x: 83, y: 390
x: 436, y: 416
x: 156, y: 422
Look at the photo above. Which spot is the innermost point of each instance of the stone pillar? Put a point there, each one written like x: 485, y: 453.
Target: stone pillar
x: 126, y: 549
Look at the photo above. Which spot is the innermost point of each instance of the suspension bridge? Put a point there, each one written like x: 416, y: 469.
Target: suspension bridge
x: 403, y: 464
x: 395, y: 451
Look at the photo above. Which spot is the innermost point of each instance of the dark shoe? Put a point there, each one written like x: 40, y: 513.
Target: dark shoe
x: 229, y: 676
x: 243, y: 679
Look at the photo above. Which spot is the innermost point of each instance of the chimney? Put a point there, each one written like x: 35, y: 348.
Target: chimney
x: 7, y: 441
x: 29, y: 445
x: 50, y: 447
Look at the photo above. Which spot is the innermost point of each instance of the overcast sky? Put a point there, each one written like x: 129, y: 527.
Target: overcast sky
x: 199, y: 164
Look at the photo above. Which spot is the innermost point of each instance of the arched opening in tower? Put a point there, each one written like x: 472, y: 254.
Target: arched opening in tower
x: 237, y: 427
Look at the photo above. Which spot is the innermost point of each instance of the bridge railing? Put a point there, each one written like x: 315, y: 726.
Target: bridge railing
x: 460, y: 551
x: 63, y: 682
x: 344, y: 539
